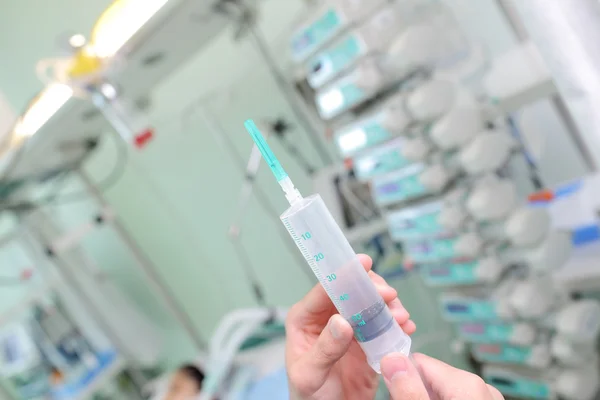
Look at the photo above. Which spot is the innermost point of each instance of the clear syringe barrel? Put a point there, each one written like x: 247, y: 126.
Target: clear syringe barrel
x: 345, y: 280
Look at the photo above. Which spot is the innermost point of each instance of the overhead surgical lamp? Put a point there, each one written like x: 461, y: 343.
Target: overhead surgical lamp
x: 117, y: 25
x: 46, y: 104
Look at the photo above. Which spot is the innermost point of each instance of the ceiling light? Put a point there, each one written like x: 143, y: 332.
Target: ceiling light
x: 42, y: 109
x: 120, y: 22
x: 114, y: 28
x: 109, y: 91
x: 77, y: 41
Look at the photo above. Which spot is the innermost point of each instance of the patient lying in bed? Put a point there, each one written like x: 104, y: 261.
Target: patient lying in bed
x: 186, y: 383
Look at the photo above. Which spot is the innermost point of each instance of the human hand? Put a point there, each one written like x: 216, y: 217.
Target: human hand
x: 425, y: 378
x: 322, y: 359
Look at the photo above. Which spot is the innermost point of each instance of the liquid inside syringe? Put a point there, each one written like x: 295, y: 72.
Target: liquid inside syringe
x: 336, y: 265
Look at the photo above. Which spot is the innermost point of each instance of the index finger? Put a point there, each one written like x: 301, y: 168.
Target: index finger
x: 317, y: 301
x: 448, y: 382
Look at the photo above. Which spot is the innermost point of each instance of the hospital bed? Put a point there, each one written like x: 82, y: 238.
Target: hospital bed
x: 244, y: 361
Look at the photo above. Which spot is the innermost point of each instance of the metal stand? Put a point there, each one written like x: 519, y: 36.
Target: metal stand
x: 149, y: 270
x: 224, y: 141
x: 32, y: 235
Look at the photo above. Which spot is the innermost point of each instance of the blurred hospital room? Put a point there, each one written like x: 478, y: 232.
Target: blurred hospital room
x: 175, y: 175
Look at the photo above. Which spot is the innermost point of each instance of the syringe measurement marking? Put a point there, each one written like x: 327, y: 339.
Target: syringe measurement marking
x: 303, y: 249
x: 361, y: 322
x: 311, y: 262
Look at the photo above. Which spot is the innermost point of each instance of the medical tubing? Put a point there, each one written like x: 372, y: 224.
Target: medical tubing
x: 284, y: 88
x: 227, y: 145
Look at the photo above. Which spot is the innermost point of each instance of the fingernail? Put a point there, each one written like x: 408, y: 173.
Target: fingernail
x: 335, y: 326
x: 394, y: 365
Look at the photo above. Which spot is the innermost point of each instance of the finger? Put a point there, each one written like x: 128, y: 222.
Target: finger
x: 496, y: 395
x: 387, y: 292
x: 310, y: 372
x: 366, y: 261
x: 402, y: 378
x: 447, y: 382
x: 409, y: 327
x: 396, y: 305
x: 401, y: 316
x: 398, y: 311
x: 377, y: 279
x: 317, y: 300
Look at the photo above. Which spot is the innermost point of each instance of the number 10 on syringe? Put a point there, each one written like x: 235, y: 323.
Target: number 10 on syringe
x: 334, y: 262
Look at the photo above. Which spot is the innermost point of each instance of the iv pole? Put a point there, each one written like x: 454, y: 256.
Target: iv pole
x: 147, y: 267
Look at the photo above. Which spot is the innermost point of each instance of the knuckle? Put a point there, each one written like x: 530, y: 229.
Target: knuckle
x: 300, y: 381
x: 471, y: 386
x: 292, y: 315
x: 326, y: 353
x: 495, y: 392
x: 479, y: 386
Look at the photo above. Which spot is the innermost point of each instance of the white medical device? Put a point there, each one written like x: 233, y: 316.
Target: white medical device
x: 535, y: 297
x: 492, y: 199
x: 432, y: 99
x: 484, y: 271
x: 373, y: 37
x: 380, y: 160
x: 570, y: 354
x: 578, y: 321
x: 487, y: 152
x: 457, y: 127
x: 536, y: 356
x: 568, y: 384
x: 480, y: 304
x: 352, y: 89
x: 372, y: 129
x: 498, y: 332
x: 328, y: 23
x: 414, y: 181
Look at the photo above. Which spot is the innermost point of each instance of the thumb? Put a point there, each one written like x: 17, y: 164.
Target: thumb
x: 313, y: 368
x: 402, y: 378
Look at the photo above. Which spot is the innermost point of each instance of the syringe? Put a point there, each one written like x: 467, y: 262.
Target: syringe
x: 335, y: 264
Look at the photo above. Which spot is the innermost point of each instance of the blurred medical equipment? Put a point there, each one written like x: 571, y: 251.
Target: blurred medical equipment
x: 575, y: 384
x: 99, y: 308
x: 436, y: 154
x: 373, y: 37
x: 328, y: 21
x: 98, y: 69
x: 49, y: 355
